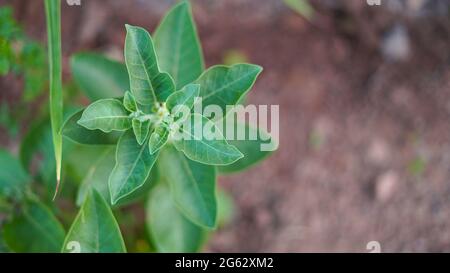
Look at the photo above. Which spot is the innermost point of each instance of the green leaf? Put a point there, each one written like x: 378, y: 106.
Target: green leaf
x: 34, y: 229
x: 53, y: 14
x: 97, y: 175
x: 79, y: 134
x: 208, y: 148
x: 38, y: 144
x: 106, y: 115
x: 178, y: 46
x: 192, y: 186
x: 99, y: 77
x: 133, y: 165
x: 13, y: 178
x: 129, y: 102
x: 250, y: 148
x: 141, y: 130
x: 169, y: 229
x: 95, y: 230
x: 302, y: 7
x: 185, y: 97
x: 147, y: 83
x: 225, y: 208
x: 225, y: 85
x: 158, y: 138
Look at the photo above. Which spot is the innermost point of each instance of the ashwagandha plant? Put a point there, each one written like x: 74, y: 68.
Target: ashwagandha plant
x: 138, y: 142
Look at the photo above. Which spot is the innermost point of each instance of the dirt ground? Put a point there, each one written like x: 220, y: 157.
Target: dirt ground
x: 364, y: 95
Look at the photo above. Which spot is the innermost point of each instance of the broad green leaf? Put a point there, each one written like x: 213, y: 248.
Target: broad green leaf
x: 79, y: 134
x: 192, y: 186
x: 147, y: 83
x: 38, y: 144
x: 184, y: 98
x: 97, y: 175
x: 225, y: 85
x: 53, y: 15
x: 34, y: 229
x: 95, y: 230
x: 106, y: 115
x: 178, y: 46
x: 133, y: 165
x: 225, y: 208
x: 141, y: 130
x: 200, y: 140
x: 158, y: 138
x: 129, y: 102
x: 13, y: 178
x: 99, y: 77
x: 169, y: 229
x: 251, y: 148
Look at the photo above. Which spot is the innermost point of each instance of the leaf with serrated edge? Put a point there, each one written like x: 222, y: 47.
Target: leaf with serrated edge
x: 141, y: 130
x: 170, y: 230
x: 158, y: 138
x: 206, y: 149
x: 133, y: 165
x: 106, y: 115
x: 184, y: 98
x: 178, y: 46
x: 192, y: 185
x: 95, y: 230
x: 129, y: 102
x: 147, y: 83
x: 225, y: 85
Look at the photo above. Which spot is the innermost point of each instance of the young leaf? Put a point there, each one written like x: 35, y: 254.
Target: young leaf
x: 158, y: 138
x: 169, y: 229
x: 99, y: 77
x: 133, y: 165
x: 129, y: 102
x: 79, y: 134
x: 13, y: 178
x: 53, y: 14
x: 209, y: 148
x: 250, y: 148
x: 95, y: 229
x: 185, y: 97
x: 178, y: 46
x: 141, y: 130
x: 225, y: 85
x: 106, y: 115
x: 192, y: 186
x: 34, y: 229
x: 147, y: 83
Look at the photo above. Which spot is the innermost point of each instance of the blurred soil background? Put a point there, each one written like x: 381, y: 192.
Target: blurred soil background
x: 364, y: 95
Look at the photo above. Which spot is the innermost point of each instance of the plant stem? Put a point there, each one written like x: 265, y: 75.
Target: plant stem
x: 53, y: 15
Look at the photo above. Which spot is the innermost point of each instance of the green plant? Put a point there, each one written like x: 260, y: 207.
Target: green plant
x: 53, y: 15
x: 123, y: 151
x: 20, y: 55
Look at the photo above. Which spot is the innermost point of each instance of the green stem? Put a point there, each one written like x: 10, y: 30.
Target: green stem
x: 53, y: 14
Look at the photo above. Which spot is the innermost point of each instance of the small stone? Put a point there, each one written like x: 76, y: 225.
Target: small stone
x: 386, y: 185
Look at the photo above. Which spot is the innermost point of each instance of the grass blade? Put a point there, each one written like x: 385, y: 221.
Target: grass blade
x: 53, y: 15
